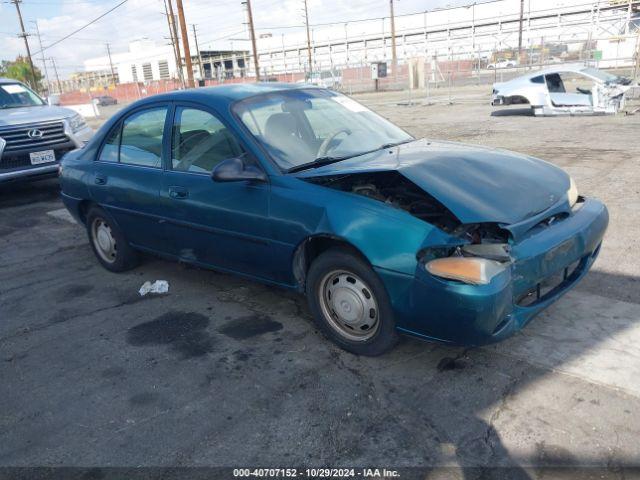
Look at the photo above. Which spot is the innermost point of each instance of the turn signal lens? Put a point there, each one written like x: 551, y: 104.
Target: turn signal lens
x: 473, y: 270
x: 572, y: 193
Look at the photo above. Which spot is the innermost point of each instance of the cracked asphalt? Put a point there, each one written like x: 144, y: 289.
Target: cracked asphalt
x: 221, y: 371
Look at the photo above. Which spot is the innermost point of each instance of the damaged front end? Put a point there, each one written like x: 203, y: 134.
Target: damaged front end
x: 393, y: 189
x: 482, y: 281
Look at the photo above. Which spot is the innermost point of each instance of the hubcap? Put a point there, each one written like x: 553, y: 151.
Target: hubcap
x: 103, y: 240
x: 349, y: 305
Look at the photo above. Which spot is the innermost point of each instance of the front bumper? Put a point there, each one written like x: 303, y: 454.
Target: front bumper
x: 458, y: 313
x: 15, y: 165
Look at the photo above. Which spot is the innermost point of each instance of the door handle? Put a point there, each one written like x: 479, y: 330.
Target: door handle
x: 178, y: 193
x: 100, y: 180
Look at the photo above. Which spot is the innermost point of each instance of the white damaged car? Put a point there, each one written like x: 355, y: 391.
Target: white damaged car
x: 572, y: 89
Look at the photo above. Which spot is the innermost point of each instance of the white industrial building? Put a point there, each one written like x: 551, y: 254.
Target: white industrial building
x: 144, y: 61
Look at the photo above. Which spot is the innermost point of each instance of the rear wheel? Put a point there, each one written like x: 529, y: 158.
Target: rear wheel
x: 108, y: 242
x: 350, y: 304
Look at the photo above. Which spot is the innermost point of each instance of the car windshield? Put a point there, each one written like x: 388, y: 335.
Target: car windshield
x: 599, y: 74
x: 14, y: 95
x: 305, y: 127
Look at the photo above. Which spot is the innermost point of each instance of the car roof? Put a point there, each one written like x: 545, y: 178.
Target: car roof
x: 8, y: 80
x: 568, y: 67
x: 225, y: 93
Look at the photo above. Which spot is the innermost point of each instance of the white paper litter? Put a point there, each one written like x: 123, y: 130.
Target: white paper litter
x: 159, y: 286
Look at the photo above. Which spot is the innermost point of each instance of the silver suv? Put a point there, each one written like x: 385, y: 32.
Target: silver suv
x: 33, y: 135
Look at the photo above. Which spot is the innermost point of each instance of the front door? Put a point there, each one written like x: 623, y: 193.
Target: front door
x: 128, y: 176
x: 219, y: 224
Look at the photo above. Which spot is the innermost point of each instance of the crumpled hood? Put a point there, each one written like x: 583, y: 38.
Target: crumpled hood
x: 23, y: 115
x: 477, y: 184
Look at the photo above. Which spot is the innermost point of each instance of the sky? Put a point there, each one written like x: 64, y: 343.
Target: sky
x: 221, y: 24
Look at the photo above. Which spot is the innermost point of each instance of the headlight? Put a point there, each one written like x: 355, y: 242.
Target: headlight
x: 572, y: 193
x: 473, y: 270
x: 77, y: 123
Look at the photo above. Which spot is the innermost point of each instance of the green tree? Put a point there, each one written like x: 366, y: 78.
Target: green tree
x: 20, y: 70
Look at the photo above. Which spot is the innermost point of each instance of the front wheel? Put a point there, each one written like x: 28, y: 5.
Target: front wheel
x: 350, y: 304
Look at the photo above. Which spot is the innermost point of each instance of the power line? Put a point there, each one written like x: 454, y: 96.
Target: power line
x: 85, y: 26
x: 370, y: 19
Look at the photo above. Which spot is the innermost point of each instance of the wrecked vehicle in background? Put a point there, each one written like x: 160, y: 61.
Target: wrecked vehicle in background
x: 304, y: 188
x: 595, y: 91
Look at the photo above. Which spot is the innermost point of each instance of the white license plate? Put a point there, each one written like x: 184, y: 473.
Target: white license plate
x: 46, y: 156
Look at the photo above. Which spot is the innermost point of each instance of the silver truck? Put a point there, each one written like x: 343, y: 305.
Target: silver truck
x: 34, y: 135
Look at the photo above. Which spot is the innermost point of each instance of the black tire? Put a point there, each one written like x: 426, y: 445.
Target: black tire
x: 123, y: 256
x: 336, y: 263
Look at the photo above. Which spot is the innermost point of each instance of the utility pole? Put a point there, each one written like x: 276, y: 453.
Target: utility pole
x: 306, y: 22
x: 175, y: 40
x: 24, y: 35
x: 185, y: 44
x: 55, y: 70
x: 252, y: 32
x: 520, y: 31
x: 113, y: 73
x: 394, y: 56
x: 195, y: 37
x: 44, y: 63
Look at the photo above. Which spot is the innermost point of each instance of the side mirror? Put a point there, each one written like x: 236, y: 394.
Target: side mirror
x: 53, y: 100
x: 235, y: 170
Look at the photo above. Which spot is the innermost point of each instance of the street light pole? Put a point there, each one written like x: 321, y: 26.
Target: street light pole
x: 55, y: 70
x: 44, y: 63
x: 195, y: 37
x: 520, y: 31
x: 113, y: 73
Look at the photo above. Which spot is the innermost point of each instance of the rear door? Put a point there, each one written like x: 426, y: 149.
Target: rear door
x: 220, y: 224
x: 128, y: 175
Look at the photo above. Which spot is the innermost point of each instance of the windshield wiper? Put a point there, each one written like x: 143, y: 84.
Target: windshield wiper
x: 318, y: 162
x: 321, y: 161
x: 394, y: 144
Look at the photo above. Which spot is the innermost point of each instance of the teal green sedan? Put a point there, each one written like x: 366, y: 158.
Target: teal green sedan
x: 306, y: 189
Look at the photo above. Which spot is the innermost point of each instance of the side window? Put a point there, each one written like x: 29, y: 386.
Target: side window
x: 109, y: 151
x: 200, y: 141
x: 538, y: 79
x: 142, y: 138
